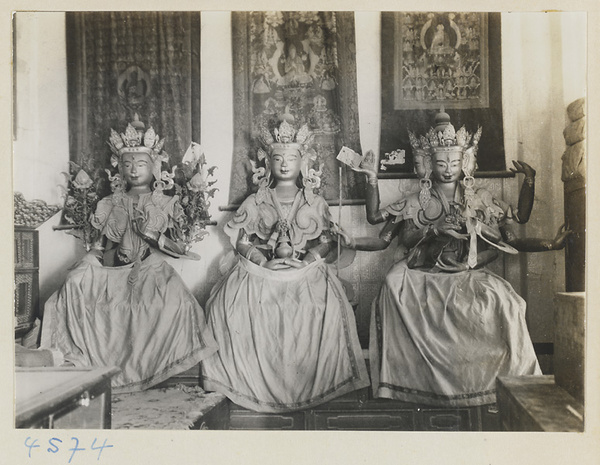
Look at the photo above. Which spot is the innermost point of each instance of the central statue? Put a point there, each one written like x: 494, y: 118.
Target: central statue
x: 286, y: 332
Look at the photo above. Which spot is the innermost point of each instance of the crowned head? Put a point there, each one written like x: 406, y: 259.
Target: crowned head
x: 288, y: 154
x: 136, y: 147
x: 443, y: 145
x: 286, y: 136
x: 421, y: 158
x: 422, y: 163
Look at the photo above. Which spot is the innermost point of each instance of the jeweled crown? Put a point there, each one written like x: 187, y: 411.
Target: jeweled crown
x: 136, y: 140
x: 444, y: 138
x: 286, y: 136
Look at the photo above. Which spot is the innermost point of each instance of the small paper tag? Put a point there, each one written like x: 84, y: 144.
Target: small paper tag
x: 188, y: 155
x: 350, y: 157
x: 193, y: 154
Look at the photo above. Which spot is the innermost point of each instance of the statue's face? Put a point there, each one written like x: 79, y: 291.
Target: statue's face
x: 447, y: 166
x: 285, y: 164
x: 137, y: 169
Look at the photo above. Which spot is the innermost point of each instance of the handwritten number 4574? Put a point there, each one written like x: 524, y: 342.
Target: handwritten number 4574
x: 56, y: 444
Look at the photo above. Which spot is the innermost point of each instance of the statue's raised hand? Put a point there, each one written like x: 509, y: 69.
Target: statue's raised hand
x: 522, y: 167
x: 367, y: 165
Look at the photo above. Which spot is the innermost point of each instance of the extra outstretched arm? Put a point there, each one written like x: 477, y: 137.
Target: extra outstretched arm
x: 387, y: 234
x: 536, y: 244
x: 525, y: 204
x: 374, y: 215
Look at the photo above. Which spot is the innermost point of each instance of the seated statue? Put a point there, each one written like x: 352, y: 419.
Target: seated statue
x: 122, y: 305
x: 443, y: 327
x: 286, y: 332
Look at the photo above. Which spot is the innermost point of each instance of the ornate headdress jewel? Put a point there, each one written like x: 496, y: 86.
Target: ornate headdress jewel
x: 285, y: 133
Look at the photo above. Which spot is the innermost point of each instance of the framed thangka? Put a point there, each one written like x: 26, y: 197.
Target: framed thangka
x: 440, y: 60
x: 300, y: 67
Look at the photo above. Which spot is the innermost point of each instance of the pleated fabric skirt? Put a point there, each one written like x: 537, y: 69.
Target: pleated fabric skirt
x: 287, y: 339
x: 443, y: 338
x: 142, y: 320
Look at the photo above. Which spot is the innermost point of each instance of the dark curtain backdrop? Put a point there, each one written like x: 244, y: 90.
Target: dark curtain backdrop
x: 298, y: 63
x: 459, y: 67
x: 122, y: 63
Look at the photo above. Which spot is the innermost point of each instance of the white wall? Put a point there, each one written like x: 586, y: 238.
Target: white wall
x: 542, y: 72
x: 41, y: 147
x: 574, y: 54
x: 217, y: 141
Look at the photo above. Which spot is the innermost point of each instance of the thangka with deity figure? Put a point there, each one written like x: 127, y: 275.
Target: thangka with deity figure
x: 431, y: 60
x: 441, y: 59
x: 300, y: 67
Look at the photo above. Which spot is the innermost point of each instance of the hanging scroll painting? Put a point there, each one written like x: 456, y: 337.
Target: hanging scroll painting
x: 434, y: 60
x: 122, y: 64
x: 298, y: 66
x: 441, y: 63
